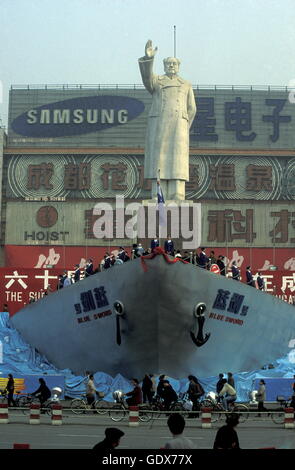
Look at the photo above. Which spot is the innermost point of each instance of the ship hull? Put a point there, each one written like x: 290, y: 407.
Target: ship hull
x: 161, y: 329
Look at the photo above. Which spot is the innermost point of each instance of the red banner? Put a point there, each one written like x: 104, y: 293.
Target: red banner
x: 66, y: 257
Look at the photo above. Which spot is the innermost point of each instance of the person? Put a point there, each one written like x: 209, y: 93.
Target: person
x: 147, y: 388
x: 249, y: 277
x: 5, y: 308
x: 110, y: 442
x: 292, y: 404
x: 178, y: 254
x: 176, y: 425
x: 118, y: 261
x: 195, y: 391
x: 260, y: 396
x: 43, y: 392
x: 89, y: 268
x: 230, y: 379
x: 171, y: 115
x: 160, y: 386
x: 10, y: 390
x: 219, y: 385
x: 235, y: 271
x: 60, y: 282
x: 139, y: 250
x: 168, y: 394
x: 203, y: 258
x: 154, y: 244
x: 77, y: 274
x: 260, y: 281
x: 67, y: 281
x: 169, y: 246
x: 212, y: 259
x: 228, y: 394
x: 90, y: 391
x: 226, y: 436
x: 135, y: 396
x: 221, y: 265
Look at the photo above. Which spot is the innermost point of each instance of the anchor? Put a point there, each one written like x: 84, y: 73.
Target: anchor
x: 199, y: 340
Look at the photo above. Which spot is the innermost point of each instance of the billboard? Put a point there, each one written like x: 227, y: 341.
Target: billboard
x: 68, y: 176
x: 108, y: 223
x: 84, y: 116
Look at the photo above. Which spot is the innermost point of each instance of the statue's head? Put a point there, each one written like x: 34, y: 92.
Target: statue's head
x: 171, y: 66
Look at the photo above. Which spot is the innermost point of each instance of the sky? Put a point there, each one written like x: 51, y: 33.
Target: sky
x: 219, y: 42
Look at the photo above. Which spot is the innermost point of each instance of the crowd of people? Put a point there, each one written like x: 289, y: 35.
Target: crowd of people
x: 198, y: 257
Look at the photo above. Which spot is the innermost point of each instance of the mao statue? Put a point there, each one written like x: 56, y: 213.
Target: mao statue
x: 172, y: 112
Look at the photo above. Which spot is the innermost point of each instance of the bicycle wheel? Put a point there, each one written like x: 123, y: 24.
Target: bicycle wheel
x: 26, y: 402
x: 117, y: 413
x: 244, y: 410
x: 101, y: 407
x: 216, y: 415
x: 178, y: 407
x: 145, y: 414
x: 78, y: 406
x: 278, y: 416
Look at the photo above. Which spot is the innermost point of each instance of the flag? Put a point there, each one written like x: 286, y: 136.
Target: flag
x: 161, y: 205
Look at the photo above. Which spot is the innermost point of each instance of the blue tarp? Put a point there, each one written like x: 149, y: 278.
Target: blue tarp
x: 22, y: 360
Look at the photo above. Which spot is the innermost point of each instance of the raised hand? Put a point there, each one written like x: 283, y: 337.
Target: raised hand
x: 149, y: 51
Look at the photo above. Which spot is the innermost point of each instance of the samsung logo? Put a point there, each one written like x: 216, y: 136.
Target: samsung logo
x: 77, y: 116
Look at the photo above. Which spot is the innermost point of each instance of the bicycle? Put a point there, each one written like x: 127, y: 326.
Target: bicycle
x: 278, y: 415
x: 219, y: 411
x: 22, y: 400
x: 120, y: 409
x: 80, y: 405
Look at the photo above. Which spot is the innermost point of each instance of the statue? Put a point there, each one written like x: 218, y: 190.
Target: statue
x: 171, y: 115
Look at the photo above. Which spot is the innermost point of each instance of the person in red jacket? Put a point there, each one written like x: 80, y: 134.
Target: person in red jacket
x: 135, y: 396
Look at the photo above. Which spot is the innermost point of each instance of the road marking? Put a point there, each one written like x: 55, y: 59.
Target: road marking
x: 77, y: 435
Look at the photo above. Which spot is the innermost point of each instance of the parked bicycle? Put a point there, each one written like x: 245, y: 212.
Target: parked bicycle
x: 22, y: 400
x: 219, y: 411
x: 80, y: 405
x: 278, y: 415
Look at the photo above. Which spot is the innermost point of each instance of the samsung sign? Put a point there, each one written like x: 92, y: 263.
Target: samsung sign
x: 77, y: 116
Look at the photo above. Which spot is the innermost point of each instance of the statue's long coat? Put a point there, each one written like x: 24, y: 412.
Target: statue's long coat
x: 171, y: 115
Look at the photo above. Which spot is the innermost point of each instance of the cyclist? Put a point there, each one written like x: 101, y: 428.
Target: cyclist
x: 135, y: 396
x: 90, y: 391
x: 195, y: 391
x: 228, y: 394
x: 43, y: 392
x: 168, y: 394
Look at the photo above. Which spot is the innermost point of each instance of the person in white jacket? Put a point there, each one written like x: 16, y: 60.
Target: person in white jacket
x: 228, y: 394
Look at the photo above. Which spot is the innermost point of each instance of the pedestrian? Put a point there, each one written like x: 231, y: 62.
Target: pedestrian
x: 176, y: 425
x: 195, y: 391
x: 228, y: 394
x: 212, y: 259
x: 67, y: 281
x: 89, y: 268
x: 203, y: 258
x: 260, y: 281
x: 154, y: 244
x: 221, y: 265
x: 10, y: 390
x: 5, y: 308
x: 230, y: 379
x: 147, y: 388
x: 77, y: 274
x: 260, y: 396
x: 249, y: 277
x: 60, y: 282
x: 160, y: 386
x: 135, y: 396
x: 235, y: 271
x: 227, y: 437
x: 169, y: 246
x: 43, y: 392
x: 110, y: 442
x: 90, y: 391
